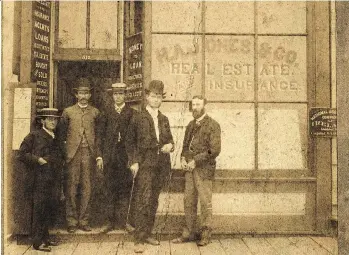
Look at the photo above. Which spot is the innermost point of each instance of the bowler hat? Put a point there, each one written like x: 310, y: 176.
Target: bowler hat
x: 117, y: 87
x: 47, y: 112
x: 157, y: 87
x: 82, y: 84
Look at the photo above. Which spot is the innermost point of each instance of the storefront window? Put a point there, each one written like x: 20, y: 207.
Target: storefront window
x: 282, y: 136
x: 134, y: 14
x: 254, y: 58
x: 282, y: 17
x: 229, y: 64
x: 177, y: 61
x: 237, y: 123
x: 229, y: 17
x: 88, y: 24
x: 176, y: 16
x: 104, y: 31
x: 282, y: 68
x: 72, y: 24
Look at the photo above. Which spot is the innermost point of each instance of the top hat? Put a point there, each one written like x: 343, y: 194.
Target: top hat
x: 157, y: 87
x: 117, y: 87
x: 83, y: 84
x: 47, y: 112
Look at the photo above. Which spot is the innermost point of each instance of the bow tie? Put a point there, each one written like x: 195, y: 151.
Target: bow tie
x: 118, y: 109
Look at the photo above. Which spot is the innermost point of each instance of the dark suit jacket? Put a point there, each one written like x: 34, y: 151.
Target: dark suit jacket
x: 203, y: 144
x: 40, y: 144
x: 116, y: 123
x: 141, y: 143
x: 71, y: 127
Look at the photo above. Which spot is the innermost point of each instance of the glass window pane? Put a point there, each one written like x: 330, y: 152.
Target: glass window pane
x: 179, y: 116
x: 72, y: 24
x: 176, y: 16
x: 281, y: 17
x: 282, y: 72
x: 104, y: 25
x: 282, y: 136
x: 176, y: 60
x: 135, y: 12
x: 229, y: 17
x: 237, y: 123
x: 229, y: 68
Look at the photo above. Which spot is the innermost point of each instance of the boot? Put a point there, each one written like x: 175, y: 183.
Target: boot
x: 205, y: 237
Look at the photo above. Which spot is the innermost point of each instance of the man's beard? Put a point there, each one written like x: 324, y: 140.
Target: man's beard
x: 198, y: 113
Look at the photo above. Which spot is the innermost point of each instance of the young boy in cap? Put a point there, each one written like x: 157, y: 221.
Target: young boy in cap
x: 148, y: 144
x: 118, y: 178
x: 40, y: 152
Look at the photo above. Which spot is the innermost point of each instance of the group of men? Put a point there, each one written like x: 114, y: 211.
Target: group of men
x: 133, y: 150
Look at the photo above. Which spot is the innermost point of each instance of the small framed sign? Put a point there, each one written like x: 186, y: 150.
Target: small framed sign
x: 323, y: 122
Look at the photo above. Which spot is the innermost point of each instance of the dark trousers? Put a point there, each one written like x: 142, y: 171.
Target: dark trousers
x: 42, y: 205
x: 148, y: 184
x: 118, y: 183
x: 79, y: 171
x: 197, y: 188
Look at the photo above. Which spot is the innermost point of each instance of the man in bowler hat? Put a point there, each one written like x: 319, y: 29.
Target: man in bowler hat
x: 118, y: 178
x: 81, y: 135
x: 149, y: 143
x: 201, y: 146
x: 41, y: 153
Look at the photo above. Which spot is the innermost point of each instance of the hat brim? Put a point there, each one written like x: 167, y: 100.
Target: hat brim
x: 117, y: 89
x: 42, y: 116
x: 148, y: 91
x: 82, y: 89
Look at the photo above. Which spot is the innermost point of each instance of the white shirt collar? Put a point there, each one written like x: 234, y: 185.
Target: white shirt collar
x: 153, y: 112
x: 119, y: 107
x: 49, y: 132
x: 201, y: 118
x: 82, y: 106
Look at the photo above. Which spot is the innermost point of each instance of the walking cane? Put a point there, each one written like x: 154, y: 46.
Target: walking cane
x: 128, y: 211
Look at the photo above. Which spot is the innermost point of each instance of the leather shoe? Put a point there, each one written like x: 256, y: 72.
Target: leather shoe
x: 182, y: 240
x: 108, y: 228
x: 86, y: 228
x: 152, y: 241
x: 72, y: 229
x: 51, y: 243
x: 42, y: 247
x: 129, y: 228
x: 205, y: 238
x: 139, y: 248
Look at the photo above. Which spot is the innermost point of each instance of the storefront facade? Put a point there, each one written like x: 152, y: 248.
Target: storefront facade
x: 262, y: 66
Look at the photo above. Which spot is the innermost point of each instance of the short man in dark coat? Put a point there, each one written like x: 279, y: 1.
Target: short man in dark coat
x: 201, y: 146
x: 41, y: 153
x: 149, y: 143
x: 118, y: 178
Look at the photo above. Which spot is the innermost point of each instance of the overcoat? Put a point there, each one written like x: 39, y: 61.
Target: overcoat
x: 203, y: 144
x: 142, y: 145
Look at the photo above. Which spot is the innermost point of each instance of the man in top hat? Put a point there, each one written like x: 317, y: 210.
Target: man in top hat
x: 201, y: 146
x: 41, y: 153
x: 82, y: 138
x: 117, y: 176
x: 149, y: 143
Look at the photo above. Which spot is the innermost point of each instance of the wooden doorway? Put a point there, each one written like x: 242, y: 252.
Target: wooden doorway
x: 100, y: 73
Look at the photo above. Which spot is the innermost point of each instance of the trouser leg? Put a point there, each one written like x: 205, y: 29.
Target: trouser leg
x: 73, y: 178
x: 142, y: 203
x: 159, y: 179
x: 85, y: 182
x: 190, y: 204
x: 41, y: 217
x: 204, y: 188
